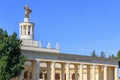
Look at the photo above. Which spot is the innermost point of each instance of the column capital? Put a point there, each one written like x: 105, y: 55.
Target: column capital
x: 75, y: 64
x: 37, y: 63
x: 88, y: 65
x: 105, y: 65
x: 37, y: 60
x: 93, y: 64
x: 33, y: 61
x: 53, y: 62
x: 116, y: 67
x: 48, y: 63
x: 81, y: 65
x: 68, y: 63
x: 62, y: 63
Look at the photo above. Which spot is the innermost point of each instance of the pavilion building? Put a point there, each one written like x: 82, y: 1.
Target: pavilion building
x: 49, y: 64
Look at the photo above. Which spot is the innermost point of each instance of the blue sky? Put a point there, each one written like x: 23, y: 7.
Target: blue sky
x: 79, y: 26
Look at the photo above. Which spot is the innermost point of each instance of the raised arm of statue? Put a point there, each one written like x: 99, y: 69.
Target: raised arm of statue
x: 27, y: 11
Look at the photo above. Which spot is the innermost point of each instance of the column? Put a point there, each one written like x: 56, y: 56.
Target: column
x: 62, y: 74
x: 26, y: 29
x: 93, y: 73
x: 48, y: 71
x: 31, y: 31
x: 105, y: 72
x: 28, y: 75
x: 116, y: 73
x: 22, y: 29
x: 76, y: 71
x: 68, y: 71
x: 81, y: 72
x: 43, y: 75
x: 22, y: 75
x: 71, y: 76
x: 99, y: 73
x: 33, y: 70
x: 37, y: 70
x: 53, y: 71
x: 88, y: 72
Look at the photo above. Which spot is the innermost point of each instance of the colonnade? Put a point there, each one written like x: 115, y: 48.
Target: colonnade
x: 102, y: 71
x: 26, y: 29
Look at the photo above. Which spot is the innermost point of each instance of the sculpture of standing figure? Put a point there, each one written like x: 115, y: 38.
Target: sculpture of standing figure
x: 27, y: 11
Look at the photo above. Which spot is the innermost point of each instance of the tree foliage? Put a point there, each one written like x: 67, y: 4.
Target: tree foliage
x: 93, y: 54
x: 112, y: 56
x: 11, y: 60
x: 102, y: 55
x: 118, y: 54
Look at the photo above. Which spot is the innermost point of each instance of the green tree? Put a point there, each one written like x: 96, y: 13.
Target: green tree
x: 112, y: 56
x: 118, y: 54
x: 11, y: 60
x: 102, y: 55
x: 93, y: 54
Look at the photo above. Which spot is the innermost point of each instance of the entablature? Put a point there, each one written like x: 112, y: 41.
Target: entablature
x: 61, y: 57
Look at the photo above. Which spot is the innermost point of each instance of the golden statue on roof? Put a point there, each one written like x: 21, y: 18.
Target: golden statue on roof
x: 27, y: 11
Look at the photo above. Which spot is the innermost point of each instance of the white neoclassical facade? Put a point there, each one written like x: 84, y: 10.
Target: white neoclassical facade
x: 49, y: 64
